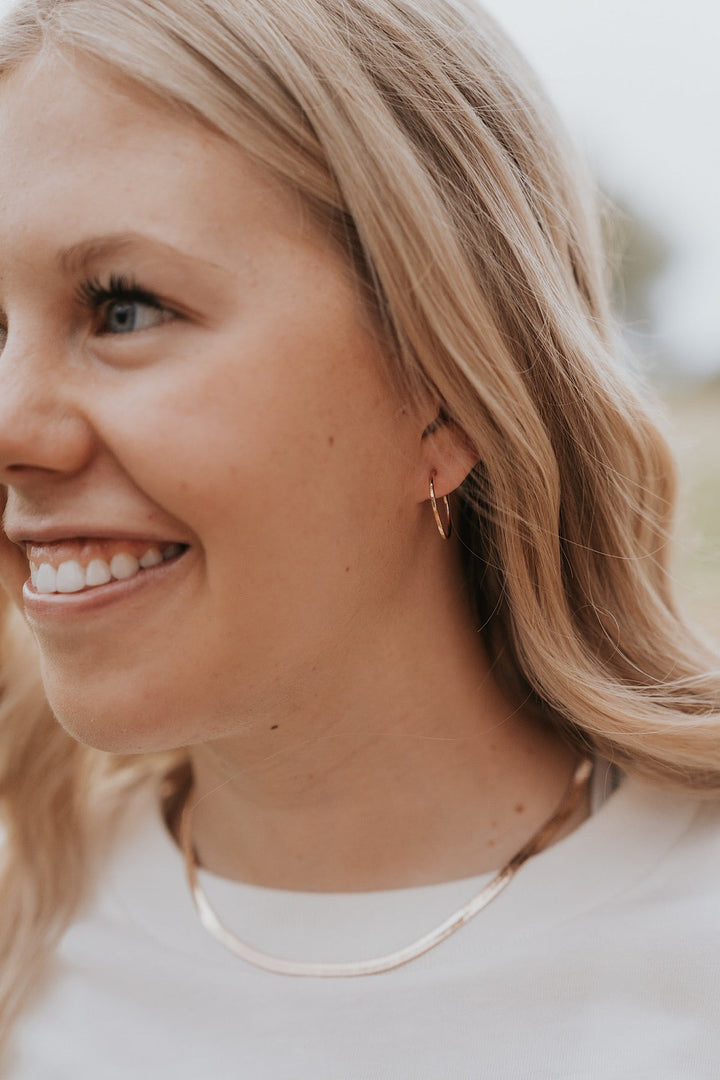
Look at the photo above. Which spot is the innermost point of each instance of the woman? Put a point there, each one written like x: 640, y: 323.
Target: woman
x: 342, y: 540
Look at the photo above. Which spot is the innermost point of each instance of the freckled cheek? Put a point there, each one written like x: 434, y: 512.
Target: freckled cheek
x: 224, y: 464
x: 261, y: 426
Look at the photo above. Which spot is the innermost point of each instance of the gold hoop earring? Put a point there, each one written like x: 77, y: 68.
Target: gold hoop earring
x: 446, y: 529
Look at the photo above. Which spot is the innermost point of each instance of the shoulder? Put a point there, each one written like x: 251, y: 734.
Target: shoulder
x: 668, y: 844
x: 695, y: 856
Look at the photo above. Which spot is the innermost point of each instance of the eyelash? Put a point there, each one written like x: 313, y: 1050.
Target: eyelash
x: 93, y: 294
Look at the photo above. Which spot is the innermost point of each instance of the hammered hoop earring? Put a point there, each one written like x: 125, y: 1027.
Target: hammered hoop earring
x: 445, y: 529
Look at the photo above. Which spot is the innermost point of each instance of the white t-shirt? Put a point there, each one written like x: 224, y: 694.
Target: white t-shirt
x: 600, y: 961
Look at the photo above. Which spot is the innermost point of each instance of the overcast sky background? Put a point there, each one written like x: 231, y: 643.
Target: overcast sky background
x: 638, y: 83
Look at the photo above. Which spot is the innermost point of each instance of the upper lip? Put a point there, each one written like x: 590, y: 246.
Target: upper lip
x: 21, y: 533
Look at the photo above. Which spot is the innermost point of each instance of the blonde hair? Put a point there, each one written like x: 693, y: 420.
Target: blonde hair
x: 414, y: 129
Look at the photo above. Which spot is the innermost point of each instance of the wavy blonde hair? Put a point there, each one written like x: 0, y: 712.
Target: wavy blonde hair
x: 417, y: 133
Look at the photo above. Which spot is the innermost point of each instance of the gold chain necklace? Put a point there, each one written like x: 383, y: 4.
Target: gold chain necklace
x: 537, y: 843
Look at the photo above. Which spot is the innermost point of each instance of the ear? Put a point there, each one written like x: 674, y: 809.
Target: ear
x: 445, y: 451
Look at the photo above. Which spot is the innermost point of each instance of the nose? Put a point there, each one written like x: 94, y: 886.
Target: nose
x: 42, y: 433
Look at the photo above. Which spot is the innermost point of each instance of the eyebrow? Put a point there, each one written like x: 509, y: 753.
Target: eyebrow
x: 79, y: 257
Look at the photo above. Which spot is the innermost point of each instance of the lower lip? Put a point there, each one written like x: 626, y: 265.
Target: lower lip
x: 44, y: 606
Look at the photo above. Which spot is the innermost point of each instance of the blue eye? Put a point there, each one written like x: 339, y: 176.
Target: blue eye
x: 122, y: 306
x: 125, y: 316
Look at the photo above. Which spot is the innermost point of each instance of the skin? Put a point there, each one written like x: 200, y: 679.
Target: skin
x: 314, y: 647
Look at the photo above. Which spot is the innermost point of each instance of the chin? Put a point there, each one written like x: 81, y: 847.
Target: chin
x: 114, y: 725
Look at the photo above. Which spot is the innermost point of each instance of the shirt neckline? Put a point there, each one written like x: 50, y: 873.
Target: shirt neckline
x: 609, y: 853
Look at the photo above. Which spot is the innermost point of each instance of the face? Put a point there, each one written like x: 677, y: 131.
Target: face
x: 193, y: 404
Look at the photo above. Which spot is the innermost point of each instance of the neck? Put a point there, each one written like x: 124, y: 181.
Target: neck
x: 400, y: 763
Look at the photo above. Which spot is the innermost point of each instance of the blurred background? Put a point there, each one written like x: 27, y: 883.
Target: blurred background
x: 638, y: 84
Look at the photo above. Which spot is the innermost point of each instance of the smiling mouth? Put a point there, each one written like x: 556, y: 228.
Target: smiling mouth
x: 93, y: 565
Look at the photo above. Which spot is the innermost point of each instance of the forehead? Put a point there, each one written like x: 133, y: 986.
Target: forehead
x: 50, y: 106
x: 84, y: 152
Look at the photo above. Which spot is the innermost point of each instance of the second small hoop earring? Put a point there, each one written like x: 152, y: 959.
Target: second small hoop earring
x: 444, y: 529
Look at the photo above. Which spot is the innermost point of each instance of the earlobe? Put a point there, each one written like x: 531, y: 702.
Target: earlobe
x: 447, y: 455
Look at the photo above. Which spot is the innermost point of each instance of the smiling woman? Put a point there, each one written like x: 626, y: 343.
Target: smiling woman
x: 237, y: 338
x: 339, y: 538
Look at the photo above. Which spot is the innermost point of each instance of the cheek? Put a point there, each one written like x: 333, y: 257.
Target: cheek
x: 298, y: 429
x: 289, y: 470
x: 286, y: 574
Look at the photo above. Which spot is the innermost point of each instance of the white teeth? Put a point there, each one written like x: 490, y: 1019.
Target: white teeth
x: 97, y: 573
x: 46, y: 581
x: 151, y: 558
x: 124, y: 566
x: 70, y: 577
